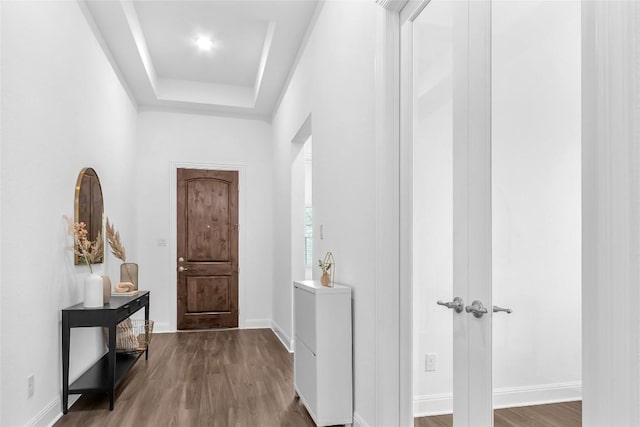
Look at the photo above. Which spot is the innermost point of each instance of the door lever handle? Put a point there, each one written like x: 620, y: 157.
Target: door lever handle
x: 457, y: 304
x: 181, y: 269
x: 497, y: 309
x: 477, y: 308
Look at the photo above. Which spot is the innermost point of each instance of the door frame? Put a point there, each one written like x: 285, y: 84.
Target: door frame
x: 610, y: 387
x: 173, y: 243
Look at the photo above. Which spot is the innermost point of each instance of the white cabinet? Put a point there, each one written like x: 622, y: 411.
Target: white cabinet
x: 322, y: 353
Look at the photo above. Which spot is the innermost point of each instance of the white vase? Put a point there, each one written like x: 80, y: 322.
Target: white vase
x: 93, y: 291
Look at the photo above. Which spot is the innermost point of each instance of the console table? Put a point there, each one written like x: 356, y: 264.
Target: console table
x: 107, y: 372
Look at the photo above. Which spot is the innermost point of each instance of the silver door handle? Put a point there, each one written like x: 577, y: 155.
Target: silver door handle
x: 497, y: 309
x: 181, y: 269
x: 457, y: 304
x: 477, y: 308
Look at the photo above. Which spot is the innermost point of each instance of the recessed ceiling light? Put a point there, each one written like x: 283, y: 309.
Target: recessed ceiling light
x: 204, y: 43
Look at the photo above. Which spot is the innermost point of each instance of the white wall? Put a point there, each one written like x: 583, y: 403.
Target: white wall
x: 62, y: 109
x: 169, y: 139
x: 334, y: 81
x: 536, y: 191
x: 537, y: 199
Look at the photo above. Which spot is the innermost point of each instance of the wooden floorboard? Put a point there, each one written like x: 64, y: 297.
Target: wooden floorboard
x: 214, y: 378
x: 568, y: 414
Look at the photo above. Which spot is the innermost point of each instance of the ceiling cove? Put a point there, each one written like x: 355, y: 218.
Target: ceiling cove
x: 153, y: 47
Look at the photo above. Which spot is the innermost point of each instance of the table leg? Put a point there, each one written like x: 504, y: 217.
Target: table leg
x: 146, y: 318
x: 65, y: 362
x: 111, y: 378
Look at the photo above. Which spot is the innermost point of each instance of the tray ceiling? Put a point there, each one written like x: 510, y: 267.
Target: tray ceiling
x: 153, y: 47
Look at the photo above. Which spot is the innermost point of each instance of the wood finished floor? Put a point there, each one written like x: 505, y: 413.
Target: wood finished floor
x: 215, y: 378
x: 567, y: 414
x: 239, y: 378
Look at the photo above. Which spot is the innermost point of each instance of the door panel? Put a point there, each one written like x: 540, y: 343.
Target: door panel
x: 207, y: 294
x: 472, y: 214
x: 207, y: 220
x: 207, y: 236
x: 451, y: 77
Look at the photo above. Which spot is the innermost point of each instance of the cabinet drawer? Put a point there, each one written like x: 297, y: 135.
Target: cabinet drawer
x: 305, y: 317
x: 305, y: 376
x: 135, y: 305
x: 130, y: 308
x: 123, y: 312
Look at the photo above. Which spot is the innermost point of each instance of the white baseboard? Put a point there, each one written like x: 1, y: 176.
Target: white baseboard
x: 47, y: 416
x: 50, y: 414
x: 537, y: 395
x: 508, y: 397
x: 162, y: 328
x: 282, y: 336
x: 433, y: 404
x: 358, y: 421
x: 257, y: 324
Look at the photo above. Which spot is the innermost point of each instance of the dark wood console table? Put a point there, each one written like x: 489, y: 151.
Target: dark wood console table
x: 105, y: 374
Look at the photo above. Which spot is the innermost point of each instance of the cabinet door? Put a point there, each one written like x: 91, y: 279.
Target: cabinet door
x: 306, y: 379
x: 305, y: 317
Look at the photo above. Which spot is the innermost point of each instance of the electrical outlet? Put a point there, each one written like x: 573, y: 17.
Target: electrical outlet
x: 430, y: 362
x: 31, y: 384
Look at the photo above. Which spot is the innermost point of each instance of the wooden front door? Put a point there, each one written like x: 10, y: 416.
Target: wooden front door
x: 207, y: 235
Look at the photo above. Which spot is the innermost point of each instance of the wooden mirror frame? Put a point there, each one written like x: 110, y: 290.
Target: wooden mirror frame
x: 89, y: 206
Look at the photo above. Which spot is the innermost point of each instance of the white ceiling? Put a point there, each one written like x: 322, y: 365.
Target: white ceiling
x: 151, y: 44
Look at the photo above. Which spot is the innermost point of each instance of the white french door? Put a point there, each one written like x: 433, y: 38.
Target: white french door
x: 446, y: 103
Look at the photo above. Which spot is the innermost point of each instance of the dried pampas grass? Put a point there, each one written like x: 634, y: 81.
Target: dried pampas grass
x: 117, y: 249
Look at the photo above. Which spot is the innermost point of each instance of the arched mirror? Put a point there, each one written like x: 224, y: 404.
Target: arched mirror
x: 89, y: 206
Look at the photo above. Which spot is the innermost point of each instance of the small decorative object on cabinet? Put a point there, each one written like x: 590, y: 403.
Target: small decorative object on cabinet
x: 326, y: 266
x: 106, y: 289
x: 88, y: 251
x: 125, y: 288
x: 129, y: 274
x: 322, y: 353
x: 128, y: 270
x: 93, y: 291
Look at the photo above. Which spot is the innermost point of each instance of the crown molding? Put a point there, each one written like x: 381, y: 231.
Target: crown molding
x: 392, y: 5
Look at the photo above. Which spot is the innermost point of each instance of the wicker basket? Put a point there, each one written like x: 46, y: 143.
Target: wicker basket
x: 133, y: 335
